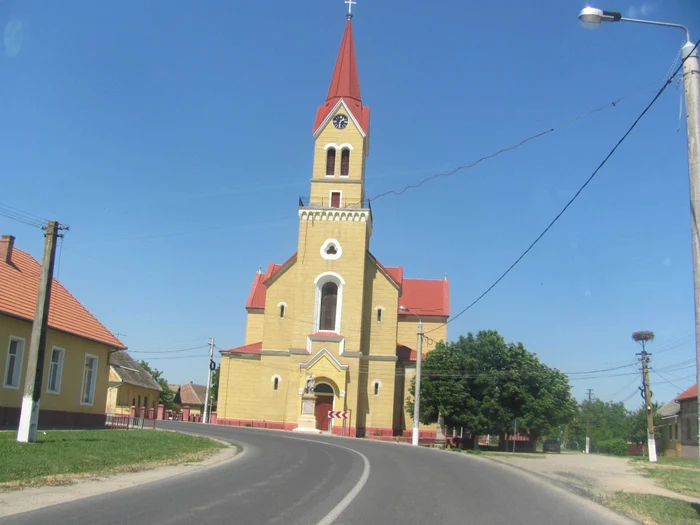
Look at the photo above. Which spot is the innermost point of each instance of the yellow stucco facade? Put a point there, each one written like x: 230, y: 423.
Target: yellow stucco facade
x: 67, y: 374
x: 332, y: 310
x: 122, y: 396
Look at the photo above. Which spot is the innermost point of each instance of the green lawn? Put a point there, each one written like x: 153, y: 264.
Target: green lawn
x: 60, y: 456
x: 680, y: 475
x: 654, y: 510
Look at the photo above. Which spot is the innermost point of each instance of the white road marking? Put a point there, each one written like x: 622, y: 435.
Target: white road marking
x: 343, y: 503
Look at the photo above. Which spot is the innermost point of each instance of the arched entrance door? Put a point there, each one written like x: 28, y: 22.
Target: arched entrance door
x: 324, y: 403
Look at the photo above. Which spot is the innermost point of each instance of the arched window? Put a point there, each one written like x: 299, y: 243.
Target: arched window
x: 376, y: 389
x: 330, y: 162
x: 379, y: 315
x: 276, y: 383
x: 329, y: 303
x: 281, y: 314
x: 344, y: 162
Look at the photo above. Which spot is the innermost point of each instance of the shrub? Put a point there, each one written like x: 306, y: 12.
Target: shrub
x: 614, y: 446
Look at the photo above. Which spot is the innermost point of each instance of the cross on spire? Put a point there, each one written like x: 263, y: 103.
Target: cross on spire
x: 350, y: 4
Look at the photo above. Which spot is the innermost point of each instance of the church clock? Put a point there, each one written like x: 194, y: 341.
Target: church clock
x: 340, y: 121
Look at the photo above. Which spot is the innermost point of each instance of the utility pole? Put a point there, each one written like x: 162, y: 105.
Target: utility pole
x: 588, y: 421
x: 211, y: 366
x: 415, y: 439
x: 642, y: 338
x: 29, y: 416
x: 691, y: 77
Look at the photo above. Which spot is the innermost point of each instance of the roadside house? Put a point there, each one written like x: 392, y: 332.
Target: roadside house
x: 688, y: 415
x: 76, y: 366
x: 191, y: 395
x: 670, y: 426
x: 130, y: 385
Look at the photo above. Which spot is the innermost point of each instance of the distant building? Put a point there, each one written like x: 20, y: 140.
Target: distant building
x: 191, y: 395
x: 680, y: 421
x: 76, y: 363
x: 130, y: 385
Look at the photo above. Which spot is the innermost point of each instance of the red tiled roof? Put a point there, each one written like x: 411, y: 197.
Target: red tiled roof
x: 345, y: 84
x: 253, y: 348
x: 394, y: 272
x: 404, y: 353
x: 19, y: 283
x: 258, y: 291
x: 691, y: 393
x: 425, y: 297
x: 191, y: 394
x: 256, y: 297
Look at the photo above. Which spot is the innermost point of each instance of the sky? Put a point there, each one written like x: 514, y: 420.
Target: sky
x: 174, y: 138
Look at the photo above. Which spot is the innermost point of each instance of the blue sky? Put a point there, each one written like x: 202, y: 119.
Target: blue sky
x: 174, y: 138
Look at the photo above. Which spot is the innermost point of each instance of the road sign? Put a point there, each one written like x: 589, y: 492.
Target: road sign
x: 339, y: 415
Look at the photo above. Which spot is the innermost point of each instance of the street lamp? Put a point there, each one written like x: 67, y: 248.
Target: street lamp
x: 593, y: 17
x: 419, y: 357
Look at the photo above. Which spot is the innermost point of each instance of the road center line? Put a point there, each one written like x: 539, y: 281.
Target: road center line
x: 343, y: 503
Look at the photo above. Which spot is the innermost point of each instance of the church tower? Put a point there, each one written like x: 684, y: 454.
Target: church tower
x: 335, y: 221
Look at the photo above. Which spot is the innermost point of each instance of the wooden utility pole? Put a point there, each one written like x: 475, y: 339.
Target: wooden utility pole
x: 651, y: 440
x: 588, y: 421
x: 29, y: 416
x: 642, y: 338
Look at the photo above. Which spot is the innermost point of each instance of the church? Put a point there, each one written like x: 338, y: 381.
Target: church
x: 332, y: 311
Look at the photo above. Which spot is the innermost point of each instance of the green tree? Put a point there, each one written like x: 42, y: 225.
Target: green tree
x: 214, y: 394
x: 636, y: 430
x: 166, y: 395
x: 483, y: 383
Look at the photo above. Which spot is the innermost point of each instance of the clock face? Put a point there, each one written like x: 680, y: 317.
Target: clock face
x: 340, y: 121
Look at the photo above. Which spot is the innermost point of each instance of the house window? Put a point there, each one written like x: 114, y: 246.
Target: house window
x: 329, y: 303
x: 55, y: 371
x: 13, y: 367
x: 335, y: 199
x: 345, y: 163
x: 281, y: 311
x: 89, y: 380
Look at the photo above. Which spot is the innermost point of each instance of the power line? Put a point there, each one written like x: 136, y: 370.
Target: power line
x: 167, y: 351
x: 571, y: 201
x: 22, y: 216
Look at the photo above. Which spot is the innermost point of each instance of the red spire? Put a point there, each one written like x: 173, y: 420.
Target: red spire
x: 345, y: 84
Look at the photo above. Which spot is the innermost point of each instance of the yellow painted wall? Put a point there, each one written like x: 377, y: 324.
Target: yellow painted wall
x: 120, y: 398
x: 255, y: 323
x: 379, y: 337
x: 69, y: 398
x: 379, y: 409
x: 408, y: 330
x: 353, y: 239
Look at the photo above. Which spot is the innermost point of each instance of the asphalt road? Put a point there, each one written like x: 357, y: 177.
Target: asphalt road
x: 293, y: 479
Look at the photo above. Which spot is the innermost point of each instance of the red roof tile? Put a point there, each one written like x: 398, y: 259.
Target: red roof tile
x: 345, y: 84
x: 19, y: 283
x: 425, y: 297
x: 192, y: 394
x: 404, y: 353
x: 691, y: 393
x: 253, y: 348
x: 258, y: 291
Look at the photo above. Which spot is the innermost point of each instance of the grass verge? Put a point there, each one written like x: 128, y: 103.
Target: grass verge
x: 60, y: 457
x: 677, y: 474
x: 654, y: 510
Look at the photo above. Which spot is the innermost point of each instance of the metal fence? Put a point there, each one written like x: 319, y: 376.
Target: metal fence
x: 125, y: 421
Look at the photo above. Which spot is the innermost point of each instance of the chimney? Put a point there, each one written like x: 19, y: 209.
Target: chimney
x: 6, y: 244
